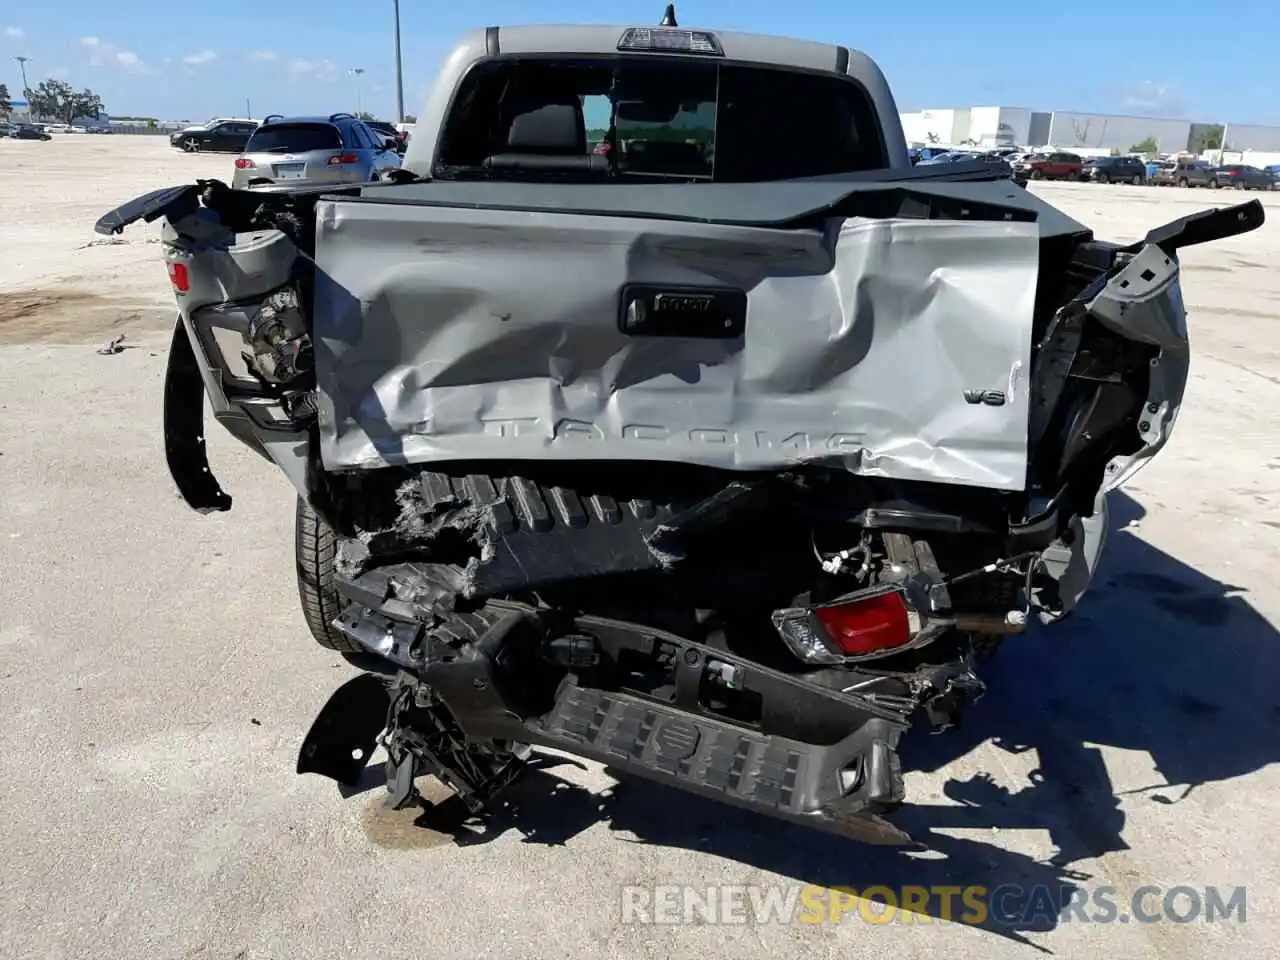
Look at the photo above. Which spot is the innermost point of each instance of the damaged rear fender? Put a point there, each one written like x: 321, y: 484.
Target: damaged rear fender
x: 189, y: 380
x: 1141, y: 302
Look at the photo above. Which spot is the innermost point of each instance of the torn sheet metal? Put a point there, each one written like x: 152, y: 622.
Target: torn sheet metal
x: 896, y: 348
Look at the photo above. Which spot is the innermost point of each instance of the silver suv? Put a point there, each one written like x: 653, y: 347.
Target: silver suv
x: 335, y: 149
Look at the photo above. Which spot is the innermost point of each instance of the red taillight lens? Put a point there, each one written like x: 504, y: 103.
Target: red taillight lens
x: 867, y: 626
x: 179, y: 277
x: 343, y: 158
x: 244, y: 163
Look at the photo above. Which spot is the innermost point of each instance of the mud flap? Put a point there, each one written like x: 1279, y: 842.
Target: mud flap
x: 345, y: 733
x: 184, y: 441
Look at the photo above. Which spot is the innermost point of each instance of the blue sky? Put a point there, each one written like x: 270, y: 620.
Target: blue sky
x: 152, y: 57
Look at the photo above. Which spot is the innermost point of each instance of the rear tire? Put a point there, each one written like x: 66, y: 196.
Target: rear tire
x: 315, y: 552
x: 1182, y: 182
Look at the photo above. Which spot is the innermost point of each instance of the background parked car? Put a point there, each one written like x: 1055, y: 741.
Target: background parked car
x: 388, y: 130
x: 336, y: 149
x: 928, y: 153
x: 948, y: 156
x: 1049, y: 166
x: 1243, y: 177
x: 1115, y: 170
x: 28, y: 131
x: 1184, y: 173
x: 217, y: 136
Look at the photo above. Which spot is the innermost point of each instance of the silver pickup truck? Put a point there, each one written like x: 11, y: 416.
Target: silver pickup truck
x: 658, y: 410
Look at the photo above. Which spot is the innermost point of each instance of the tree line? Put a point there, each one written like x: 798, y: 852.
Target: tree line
x: 53, y: 99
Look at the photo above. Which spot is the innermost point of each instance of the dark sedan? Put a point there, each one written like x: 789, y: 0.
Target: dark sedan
x: 27, y: 131
x: 226, y: 136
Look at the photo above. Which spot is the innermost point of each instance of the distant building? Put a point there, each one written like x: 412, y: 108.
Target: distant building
x: 1019, y: 126
x: 19, y: 108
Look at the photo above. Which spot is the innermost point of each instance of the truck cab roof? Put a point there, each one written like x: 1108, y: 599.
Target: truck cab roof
x: 640, y: 41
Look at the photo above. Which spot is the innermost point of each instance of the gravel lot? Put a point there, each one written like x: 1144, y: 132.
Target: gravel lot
x: 156, y: 677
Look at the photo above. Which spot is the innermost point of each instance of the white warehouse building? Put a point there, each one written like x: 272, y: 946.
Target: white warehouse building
x: 1019, y: 126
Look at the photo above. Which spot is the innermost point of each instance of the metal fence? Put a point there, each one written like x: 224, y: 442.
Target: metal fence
x: 142, y: 129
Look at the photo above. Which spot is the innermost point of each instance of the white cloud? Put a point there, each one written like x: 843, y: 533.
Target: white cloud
x: 103, y: 54
x: 263, y: 55
x: 315, y: 71
x: 14, y: 33
x: 200, y: 59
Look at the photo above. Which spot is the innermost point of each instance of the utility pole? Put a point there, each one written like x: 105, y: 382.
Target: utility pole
x: 248, y: 109
x: 356, y: 71
x: 399, y: 68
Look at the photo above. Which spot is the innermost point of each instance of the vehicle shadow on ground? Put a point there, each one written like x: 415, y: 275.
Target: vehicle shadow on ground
x: 1166, y: 661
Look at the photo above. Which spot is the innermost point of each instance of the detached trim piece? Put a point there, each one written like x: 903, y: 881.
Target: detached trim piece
x: 184, y: 443
x: 1205, y: 226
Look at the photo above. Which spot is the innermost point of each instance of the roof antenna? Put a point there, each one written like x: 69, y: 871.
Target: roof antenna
x: 669, y: 18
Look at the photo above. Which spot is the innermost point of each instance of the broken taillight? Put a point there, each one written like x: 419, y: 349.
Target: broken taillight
x: 179, y: 277
x: 867, y: 626
x: 869, y: 623
x: 244, y: 163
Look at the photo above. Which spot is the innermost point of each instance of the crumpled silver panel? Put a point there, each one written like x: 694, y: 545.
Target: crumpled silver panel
x: 898, y: 348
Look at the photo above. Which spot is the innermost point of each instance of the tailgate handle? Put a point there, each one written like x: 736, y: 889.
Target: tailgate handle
x: 707, y: 313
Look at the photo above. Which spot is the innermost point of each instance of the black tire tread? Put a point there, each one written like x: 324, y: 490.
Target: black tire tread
x: 315, y: 551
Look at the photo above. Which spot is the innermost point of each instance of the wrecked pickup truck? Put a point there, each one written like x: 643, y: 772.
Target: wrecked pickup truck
x: 720, y: 451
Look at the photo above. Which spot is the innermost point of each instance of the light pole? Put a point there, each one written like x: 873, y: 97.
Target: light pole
x: 399, y: 69
x: 356, y: 71
x: 22, y: 65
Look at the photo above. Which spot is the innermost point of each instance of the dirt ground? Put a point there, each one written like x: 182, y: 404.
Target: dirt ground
x: 156, y: 677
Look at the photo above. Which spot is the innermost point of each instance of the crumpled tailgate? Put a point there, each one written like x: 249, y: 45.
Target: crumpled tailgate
x: 896, y: 347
